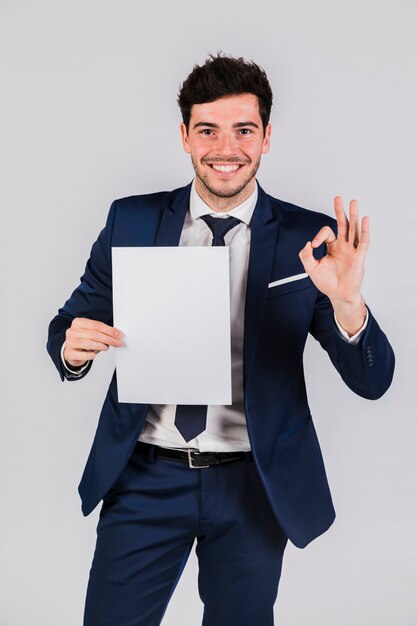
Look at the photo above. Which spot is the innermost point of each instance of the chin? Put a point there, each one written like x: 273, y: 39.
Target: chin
x: 225, y: 191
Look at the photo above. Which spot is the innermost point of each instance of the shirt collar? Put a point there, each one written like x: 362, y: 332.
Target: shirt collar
x: 243, y: 211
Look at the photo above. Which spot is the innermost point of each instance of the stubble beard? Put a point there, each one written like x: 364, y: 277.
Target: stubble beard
x: 219, y: 193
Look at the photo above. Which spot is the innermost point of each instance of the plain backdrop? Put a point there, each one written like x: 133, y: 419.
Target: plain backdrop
x: 89, y: 114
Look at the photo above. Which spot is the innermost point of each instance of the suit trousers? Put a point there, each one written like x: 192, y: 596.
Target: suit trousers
x: 148, y: 523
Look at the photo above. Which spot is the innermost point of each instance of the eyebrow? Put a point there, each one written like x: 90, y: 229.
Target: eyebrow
x: 237, y: 125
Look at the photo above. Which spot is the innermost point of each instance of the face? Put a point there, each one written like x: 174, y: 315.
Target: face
x: 226, y: 140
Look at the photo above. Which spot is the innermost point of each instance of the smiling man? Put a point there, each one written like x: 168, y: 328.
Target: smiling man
x: 225, y: 153
x: 243, y: 479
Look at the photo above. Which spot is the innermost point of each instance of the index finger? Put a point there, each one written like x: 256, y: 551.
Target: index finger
x: 87, y: 324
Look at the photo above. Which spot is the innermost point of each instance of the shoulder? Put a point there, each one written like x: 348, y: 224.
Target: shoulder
x: 298, y: 217
x: 297, y: 224
x: 145, y: 199
x: 152, y: 200
x: 144, y: 211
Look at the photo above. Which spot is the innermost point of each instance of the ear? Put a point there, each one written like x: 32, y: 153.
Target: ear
x: 184, y: 138
x: 267, y: 139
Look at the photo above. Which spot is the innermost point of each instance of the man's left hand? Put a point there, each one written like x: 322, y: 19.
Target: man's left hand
x: 339, y: 273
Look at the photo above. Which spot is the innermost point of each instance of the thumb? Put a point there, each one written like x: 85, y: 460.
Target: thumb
x: 307, y: 258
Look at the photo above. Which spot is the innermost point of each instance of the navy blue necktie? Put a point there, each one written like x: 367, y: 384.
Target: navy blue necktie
x: 190, y: 419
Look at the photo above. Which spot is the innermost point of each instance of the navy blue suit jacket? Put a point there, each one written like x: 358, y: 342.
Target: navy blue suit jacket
x: 277, y: 322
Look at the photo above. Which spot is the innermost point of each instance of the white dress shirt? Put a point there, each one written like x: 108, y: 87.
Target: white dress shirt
x: 226, y: 425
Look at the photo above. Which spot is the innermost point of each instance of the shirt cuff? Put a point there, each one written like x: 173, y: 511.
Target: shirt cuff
x: 78, y: 371
x: 356, y: 337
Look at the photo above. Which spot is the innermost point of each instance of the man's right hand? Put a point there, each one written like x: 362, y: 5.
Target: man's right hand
x: 86, y: 338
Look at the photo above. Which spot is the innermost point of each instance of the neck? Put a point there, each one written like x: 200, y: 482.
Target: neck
x: 219, y: 203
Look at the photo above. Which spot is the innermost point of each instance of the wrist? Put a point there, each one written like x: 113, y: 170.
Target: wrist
x: 350, y: 315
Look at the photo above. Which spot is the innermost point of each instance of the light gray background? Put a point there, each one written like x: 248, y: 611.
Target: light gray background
x: 89, y: 114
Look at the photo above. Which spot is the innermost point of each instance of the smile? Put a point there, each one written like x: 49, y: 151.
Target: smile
x: 225, y: 168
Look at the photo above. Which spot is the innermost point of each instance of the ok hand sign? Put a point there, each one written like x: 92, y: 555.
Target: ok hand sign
x: 339, y: 273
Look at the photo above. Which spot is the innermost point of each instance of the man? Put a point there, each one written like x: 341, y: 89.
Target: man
x: 242, y: 479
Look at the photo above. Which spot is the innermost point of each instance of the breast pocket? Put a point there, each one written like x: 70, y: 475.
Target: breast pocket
x: 281, y: 289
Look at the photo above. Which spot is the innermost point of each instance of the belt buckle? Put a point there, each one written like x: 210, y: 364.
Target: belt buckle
x: 190, y: 460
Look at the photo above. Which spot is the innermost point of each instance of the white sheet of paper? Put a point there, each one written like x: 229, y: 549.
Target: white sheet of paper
x: 173, y: 306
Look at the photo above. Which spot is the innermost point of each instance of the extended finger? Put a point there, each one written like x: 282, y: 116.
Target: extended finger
x: 353, y: 226
x: 325, y: 235
x: 88, y: 344
x: 96, y: 325
x: 364, y: 237
x: 94, y: 335
x: 342, y: 221
x: 79, y: 355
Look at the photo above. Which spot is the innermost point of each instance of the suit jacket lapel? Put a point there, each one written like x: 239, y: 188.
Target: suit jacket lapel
x: 264, y: 231
x: 172, y: 221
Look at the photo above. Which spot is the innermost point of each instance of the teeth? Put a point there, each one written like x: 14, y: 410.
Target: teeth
x: 226, y: 168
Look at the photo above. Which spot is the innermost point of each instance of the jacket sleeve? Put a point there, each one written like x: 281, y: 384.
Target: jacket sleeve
x: 91, y: 299
x: 367, y: 367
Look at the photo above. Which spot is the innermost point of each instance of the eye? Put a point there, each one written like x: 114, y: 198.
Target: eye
x: 205, y: 131
x: 245, y: 131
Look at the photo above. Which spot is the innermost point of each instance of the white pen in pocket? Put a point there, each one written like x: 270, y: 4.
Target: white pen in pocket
x: 288, y: 279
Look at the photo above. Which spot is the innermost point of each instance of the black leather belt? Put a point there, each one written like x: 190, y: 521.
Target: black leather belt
x: 194, y: 458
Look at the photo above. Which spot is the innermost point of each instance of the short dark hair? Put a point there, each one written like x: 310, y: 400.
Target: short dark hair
x: 221, y: 76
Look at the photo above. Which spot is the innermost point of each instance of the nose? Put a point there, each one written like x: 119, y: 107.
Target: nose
x: 225, y: 146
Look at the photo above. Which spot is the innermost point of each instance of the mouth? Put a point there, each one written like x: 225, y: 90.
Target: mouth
x: 227, y: 170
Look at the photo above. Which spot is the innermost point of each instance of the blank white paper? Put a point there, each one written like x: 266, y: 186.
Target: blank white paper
x: 173, y: 306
